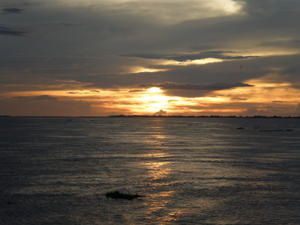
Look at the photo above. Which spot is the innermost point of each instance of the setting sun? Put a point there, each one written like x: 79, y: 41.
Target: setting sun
x: 154, y: 90
x: 154, y: 100
x: 149, y: 112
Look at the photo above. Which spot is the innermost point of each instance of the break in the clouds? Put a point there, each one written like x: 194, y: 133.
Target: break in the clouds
x: 193, y: 57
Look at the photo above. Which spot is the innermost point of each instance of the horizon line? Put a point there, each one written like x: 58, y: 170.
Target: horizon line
x: 151, y: 116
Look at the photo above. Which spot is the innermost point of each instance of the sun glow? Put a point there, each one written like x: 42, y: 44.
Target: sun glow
x: 192, y: 62
x: 154, y: 100
x: 137, y: 70
x: 154, y: 90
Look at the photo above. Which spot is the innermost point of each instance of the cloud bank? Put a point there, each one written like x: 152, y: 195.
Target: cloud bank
x: 190, y: 49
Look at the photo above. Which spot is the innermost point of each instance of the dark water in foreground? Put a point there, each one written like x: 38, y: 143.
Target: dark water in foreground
x: 192, y: 171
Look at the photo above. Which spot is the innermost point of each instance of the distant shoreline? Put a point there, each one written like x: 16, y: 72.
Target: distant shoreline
x: 153, y: 116
x: 212, y: 116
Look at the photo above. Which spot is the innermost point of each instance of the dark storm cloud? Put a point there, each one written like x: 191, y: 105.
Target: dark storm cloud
x: 263, y: 7
x: 37, y: 98
x: 292, y: 43
x: 209, y: 87
x: 11, y: 32
x: 239, y: 32
x: 118, y: 32
x: 12, y: 10
x: 233, y: 72
x: 187, y: 57
x: 194, y: 90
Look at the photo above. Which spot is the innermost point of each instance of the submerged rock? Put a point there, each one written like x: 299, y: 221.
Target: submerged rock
x: 119, y: 195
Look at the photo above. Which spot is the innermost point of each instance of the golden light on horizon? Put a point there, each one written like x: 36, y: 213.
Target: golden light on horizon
x: 137, y: 70
x: 147, y: 101
x: 169, y: 63
x: 152, y: 100
x: 263, y: 91
x: 191, y: 62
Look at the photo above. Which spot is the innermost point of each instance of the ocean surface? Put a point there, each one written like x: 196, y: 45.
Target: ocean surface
x: 56, y: 171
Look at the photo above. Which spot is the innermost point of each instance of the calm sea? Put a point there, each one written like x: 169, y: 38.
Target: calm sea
x: 191, y: 171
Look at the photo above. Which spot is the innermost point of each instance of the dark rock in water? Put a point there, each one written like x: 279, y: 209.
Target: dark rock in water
x: 119, y: 195
x: 289, y: 130
x: 9, y: 202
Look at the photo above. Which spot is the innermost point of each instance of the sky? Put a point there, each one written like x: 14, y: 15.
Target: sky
x: 149, y: 57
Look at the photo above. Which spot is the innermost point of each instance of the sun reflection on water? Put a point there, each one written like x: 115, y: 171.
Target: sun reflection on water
x: 158, y: 165
x: 157, y: 170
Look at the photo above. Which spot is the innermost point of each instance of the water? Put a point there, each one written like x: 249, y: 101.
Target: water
x: 191, y: 171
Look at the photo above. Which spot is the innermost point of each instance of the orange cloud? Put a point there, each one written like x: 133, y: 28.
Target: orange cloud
x: 261, y: 96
